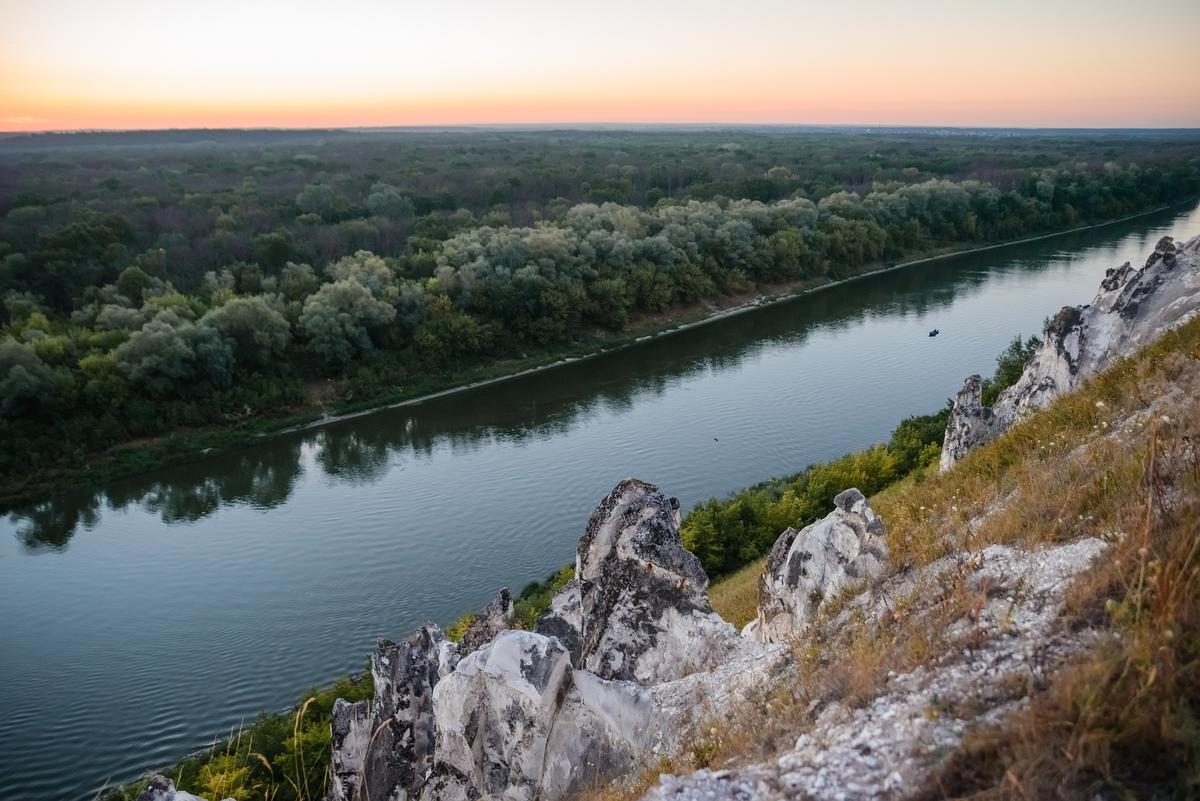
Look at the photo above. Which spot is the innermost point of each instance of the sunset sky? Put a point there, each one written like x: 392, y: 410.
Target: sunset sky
x: 68, y: 64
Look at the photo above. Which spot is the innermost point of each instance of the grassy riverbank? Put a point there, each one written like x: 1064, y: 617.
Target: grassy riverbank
x: 187, y: 445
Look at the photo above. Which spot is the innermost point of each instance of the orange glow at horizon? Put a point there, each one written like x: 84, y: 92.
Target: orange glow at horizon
x: 68, y: 64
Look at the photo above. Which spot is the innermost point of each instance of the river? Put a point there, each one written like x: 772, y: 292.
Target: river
x: 141, y: 620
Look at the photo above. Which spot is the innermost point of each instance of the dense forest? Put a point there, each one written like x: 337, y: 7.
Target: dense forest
x: 150, y: 286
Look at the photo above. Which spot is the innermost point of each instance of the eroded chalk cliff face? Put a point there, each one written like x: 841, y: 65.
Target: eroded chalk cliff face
x: 1132, y: 308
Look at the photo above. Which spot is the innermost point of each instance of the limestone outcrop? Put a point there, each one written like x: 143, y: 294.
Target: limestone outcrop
x: 818, y: 562
x: 384, y: 749
x: 643, y: 596
x: 489, y: 622
x: 495, y: 714
x: 1132, y: 308
x: 564, y: 620
x: 971, y: 424
x: 883, y: 751
x: 597, y: 686
x: 610, y: 681
x: 350, y: 737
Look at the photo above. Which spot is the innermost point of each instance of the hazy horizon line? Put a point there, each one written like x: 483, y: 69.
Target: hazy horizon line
x: 597, y: 124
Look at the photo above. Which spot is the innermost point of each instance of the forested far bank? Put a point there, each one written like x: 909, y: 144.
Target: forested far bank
x: 110, y: 336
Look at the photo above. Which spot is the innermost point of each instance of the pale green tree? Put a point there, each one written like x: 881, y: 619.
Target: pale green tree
x: 338, y: 320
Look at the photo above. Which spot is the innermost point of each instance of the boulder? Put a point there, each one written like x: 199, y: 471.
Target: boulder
x: 808, y: 566
x: 644, y: 610
x: 1132, y: 309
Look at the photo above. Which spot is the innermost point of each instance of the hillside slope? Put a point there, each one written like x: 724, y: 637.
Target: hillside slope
x: 1040, y: 636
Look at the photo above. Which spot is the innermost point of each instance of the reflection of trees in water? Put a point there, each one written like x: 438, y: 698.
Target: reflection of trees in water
x: 355, y: 456
x: 51, y: 524
x: 536, y: 407
x: 262, y: 478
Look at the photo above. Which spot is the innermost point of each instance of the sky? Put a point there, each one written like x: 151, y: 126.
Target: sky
x: 119, y: 64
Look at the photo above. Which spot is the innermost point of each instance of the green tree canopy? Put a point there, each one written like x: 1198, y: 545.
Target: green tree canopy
x: 258, y: 333
x: 338, y: 320
x: 172, y: 356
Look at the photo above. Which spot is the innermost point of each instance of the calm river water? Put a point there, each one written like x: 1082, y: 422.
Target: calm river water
x: 140, y: 621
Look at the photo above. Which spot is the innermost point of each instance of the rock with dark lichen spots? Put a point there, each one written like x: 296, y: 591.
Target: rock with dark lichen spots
x: 971, y: 423
x: 494, y: 717
x: 488, y: 622
x: 808, y: 566
x: 388, y: 753
x: 564, y: 620
x: 1132, y: 309
x: 350, y: 734
x: 645, y: 614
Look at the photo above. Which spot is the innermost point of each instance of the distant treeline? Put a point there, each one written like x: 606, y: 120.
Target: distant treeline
x: 151, y: 299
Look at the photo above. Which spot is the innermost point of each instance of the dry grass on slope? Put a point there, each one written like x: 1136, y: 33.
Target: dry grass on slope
x: 1116, y: 459
x: 735, y: 597
x: 1125, y: 721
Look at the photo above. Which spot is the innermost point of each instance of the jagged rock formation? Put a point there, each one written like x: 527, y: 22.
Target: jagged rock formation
x: 971, y: 424
x: 350, y: 737
x: 1131, y: 309
x: 405, y: 676
x: 644, y: 607
x: 384, y: 749
x: 610, y: 681
x: 495, y: 715
x: 806, y: 567
x: 600, y: 684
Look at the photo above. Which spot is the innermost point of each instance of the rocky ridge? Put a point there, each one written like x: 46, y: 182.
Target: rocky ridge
x: 1132, y: 308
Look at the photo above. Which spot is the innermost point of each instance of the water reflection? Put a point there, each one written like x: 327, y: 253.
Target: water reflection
x: 366, y: 449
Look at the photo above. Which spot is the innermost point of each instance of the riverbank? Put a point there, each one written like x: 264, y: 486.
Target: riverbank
x: 187, y: 446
